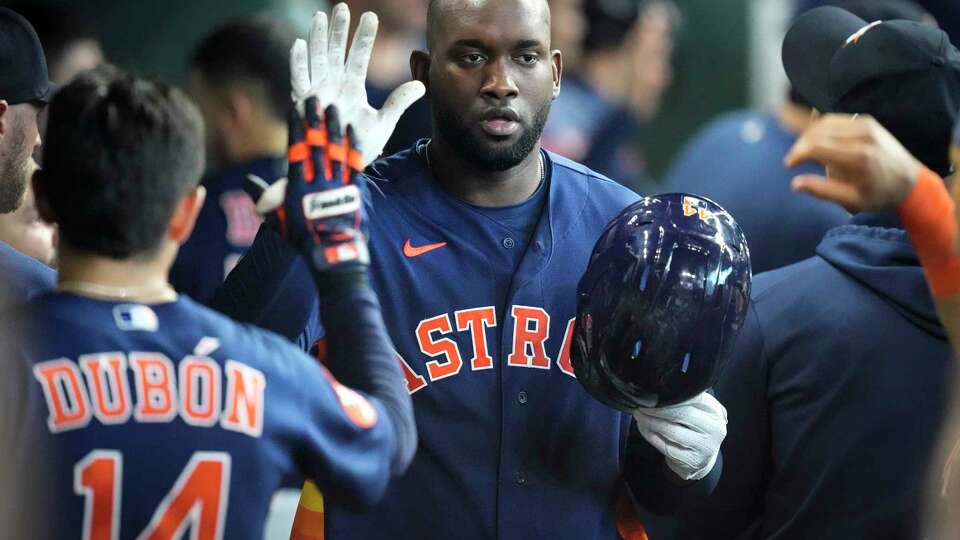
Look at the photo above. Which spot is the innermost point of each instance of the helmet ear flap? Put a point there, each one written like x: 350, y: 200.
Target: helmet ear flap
x: 671, y: 274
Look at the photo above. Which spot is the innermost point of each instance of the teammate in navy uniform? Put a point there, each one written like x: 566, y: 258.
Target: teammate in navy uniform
x: 138, y: 412
x: 478, y: 239
x: 839, y: 384
x: 24, y: 89
x: 241, y: 83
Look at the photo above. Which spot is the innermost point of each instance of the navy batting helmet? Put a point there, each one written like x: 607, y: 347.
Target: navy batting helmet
x: 662, y: 300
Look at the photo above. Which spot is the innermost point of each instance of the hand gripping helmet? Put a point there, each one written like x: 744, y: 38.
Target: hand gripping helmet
x: 661, y: 303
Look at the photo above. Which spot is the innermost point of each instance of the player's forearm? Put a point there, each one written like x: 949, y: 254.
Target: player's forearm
x: 928, y: 215
x: 270, y: 287
x: 360, y: 353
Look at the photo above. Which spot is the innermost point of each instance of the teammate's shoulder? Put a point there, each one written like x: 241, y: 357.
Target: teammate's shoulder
x: 593, y: 184
x: 798, y: 287
x: 240, y: 334
x: 404, y: 166
x: 23, y: 276
x: 743, y: 126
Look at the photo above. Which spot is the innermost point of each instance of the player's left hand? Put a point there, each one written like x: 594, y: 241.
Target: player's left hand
x: 318, y: 208
x: 326, y: 71
x: 688, y: 434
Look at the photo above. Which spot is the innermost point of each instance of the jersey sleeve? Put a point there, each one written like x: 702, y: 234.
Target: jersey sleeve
x: 271, y: 287
x: 739, y: 494
x: 360, y: 429
x: 353, y: 436
x: 344, y: 440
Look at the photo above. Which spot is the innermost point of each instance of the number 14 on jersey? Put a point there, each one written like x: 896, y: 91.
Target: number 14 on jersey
x: 198, y: 498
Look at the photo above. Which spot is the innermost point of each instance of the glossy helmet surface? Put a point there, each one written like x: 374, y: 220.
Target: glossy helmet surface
x: 662, y: 300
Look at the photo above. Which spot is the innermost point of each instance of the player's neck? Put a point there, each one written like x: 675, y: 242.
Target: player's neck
x: 484, y: 188
x: 138, y: 280
x: 270, y: 139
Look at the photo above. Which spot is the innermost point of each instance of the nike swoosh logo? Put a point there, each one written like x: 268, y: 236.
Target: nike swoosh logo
x: 412, y: 251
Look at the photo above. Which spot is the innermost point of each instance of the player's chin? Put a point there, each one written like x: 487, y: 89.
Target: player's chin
x: 497, y: 141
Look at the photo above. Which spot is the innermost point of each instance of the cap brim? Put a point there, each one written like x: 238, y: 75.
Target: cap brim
x: 810, y: 43
x: 48, y: 92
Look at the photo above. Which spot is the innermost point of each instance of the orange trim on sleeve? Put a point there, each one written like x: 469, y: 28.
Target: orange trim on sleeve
x: 928, y: 216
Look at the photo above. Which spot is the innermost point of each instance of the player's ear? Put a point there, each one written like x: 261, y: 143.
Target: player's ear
x: 557, y: 60
x: 40, y: 198
x: 420, y: 67
x: 185, y: 215
x: 4, y: 107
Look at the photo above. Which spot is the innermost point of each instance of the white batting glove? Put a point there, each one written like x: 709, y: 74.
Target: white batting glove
x: 325, y: 70
x: 688, y: 434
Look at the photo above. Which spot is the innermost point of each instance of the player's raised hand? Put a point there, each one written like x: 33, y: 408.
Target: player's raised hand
x: 320, y: 210
x: 324, y: 69
x: 867, y: 168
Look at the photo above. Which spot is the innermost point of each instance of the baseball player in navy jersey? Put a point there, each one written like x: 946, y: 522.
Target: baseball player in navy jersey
x: 25, y: 88
x: 478, y: 239
x: 140, y: 414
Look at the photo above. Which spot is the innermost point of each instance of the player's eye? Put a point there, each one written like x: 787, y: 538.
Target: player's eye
x: 473, y: 58
x: 528, y: 58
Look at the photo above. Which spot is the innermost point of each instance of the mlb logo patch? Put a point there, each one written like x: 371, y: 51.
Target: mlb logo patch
x: 131, y: 317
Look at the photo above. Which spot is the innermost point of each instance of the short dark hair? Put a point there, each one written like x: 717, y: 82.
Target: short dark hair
x: 119, y: 154
x: 251, y: 50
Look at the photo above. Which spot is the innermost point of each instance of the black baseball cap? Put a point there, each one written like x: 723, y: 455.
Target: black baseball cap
x: 23, y: 69
x: 904, y: 73
x: 872, y: 10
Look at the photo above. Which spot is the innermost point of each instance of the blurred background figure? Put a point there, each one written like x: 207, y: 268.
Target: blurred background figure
x: 614, y: 87
x: 569, y: 25
x: 240, y: 79
x: 737, y: 160
x: 402, y: 30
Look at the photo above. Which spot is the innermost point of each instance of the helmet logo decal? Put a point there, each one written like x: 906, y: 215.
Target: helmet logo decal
x: 692, y: 205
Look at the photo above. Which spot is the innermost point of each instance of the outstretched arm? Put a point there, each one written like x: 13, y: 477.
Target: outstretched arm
x: 359, y: 350
x: 869, y: 170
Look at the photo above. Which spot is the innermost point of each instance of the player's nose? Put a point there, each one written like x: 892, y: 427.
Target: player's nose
x: 498, y: 83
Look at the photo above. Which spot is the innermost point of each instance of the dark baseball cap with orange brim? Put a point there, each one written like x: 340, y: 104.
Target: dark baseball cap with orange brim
x: 903, y: 73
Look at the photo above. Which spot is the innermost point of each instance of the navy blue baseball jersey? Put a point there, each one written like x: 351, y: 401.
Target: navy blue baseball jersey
x: 22, y: 277
x: 225, y: 228
x: 159, y: 419
x: 480, y: 305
